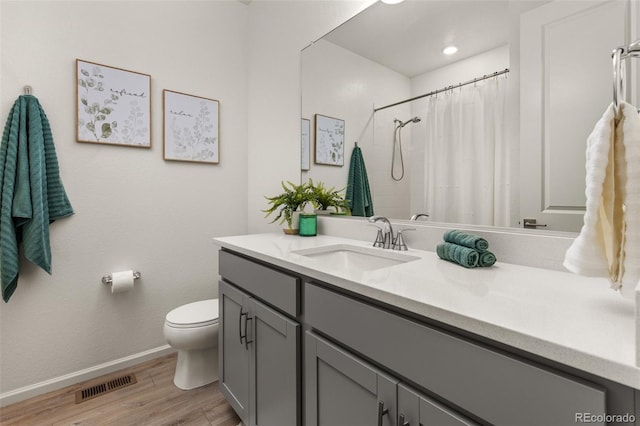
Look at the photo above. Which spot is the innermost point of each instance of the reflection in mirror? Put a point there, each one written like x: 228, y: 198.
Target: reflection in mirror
x: 460, y: 161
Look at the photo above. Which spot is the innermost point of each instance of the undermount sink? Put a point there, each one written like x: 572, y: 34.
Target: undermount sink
x: 354, y: 258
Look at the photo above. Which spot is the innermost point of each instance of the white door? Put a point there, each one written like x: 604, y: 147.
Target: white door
x: 565, y: 86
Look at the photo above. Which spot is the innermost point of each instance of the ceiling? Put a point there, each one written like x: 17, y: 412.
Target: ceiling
x: 409, y: 37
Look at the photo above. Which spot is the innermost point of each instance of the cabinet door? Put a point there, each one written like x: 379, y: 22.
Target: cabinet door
x: 343, y: 390
x: 565, y: 87
x: 415, y: 409
x: 274, y: 367
x: 233, y: 354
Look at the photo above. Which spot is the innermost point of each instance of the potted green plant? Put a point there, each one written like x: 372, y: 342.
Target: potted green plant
x: 324, y: 198
x: 289, y: 204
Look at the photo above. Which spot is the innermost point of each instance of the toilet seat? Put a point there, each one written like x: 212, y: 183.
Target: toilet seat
x: 192, y: 315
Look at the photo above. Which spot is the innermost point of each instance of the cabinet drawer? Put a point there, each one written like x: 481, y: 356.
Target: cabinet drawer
x: 276, y: 288
x: 500, y: 389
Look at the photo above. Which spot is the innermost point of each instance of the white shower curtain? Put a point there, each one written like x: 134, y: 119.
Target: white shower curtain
x: 466, y: 156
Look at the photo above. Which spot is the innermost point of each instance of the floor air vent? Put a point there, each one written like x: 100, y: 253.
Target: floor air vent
x: 106, y: 387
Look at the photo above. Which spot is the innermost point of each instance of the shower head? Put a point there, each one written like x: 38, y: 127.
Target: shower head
x: 412, y: 120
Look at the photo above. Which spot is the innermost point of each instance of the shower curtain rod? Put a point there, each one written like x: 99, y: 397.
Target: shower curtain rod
x: 435, y: 92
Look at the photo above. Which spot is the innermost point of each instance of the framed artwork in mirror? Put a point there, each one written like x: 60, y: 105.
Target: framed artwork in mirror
x: 329, y: 140
x: 305, y: 153
x: 191, y: 128
x: 113, y: 105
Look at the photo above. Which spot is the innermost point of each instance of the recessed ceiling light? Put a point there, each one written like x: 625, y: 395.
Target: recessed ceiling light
x: 449, y: 50
x: 392, y: 1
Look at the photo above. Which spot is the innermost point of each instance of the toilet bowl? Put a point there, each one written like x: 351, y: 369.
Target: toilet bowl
x: 192, y: 329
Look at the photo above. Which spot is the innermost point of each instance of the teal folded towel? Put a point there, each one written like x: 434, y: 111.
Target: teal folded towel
x: 486, y: 258
x: 461, y: 255
x: 31, y: 192
x: 466, y: 239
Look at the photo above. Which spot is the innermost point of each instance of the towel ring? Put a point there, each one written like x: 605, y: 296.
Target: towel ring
x: 618, y: 78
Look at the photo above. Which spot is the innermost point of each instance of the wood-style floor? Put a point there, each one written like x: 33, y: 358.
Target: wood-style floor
x: 153, y: 400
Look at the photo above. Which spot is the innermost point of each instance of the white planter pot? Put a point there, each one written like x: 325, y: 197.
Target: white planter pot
x: 295, y: 227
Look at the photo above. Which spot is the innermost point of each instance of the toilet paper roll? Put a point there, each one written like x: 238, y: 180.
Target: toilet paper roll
x: 121, y: 281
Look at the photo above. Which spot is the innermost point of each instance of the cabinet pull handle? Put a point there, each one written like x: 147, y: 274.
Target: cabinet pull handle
x: 402, y: 421
x: 246, y: 340
x: 240, y: 325
x: 381, y: 412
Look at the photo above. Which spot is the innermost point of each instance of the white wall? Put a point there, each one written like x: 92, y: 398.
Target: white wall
x: 132, y: 209
x: 349, y: 92
x: 484, y: 63
x: 279, y: 30
x: 392, y: 197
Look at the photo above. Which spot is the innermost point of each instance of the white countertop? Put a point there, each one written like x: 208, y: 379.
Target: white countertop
x: 570, y: 319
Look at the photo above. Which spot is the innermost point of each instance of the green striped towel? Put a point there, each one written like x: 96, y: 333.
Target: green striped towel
x: 358, y: 192
x: 461, y: 255
x: 31, y: 192
x: 475, y: 243
x: 465, y: 239
x: 486, y: 258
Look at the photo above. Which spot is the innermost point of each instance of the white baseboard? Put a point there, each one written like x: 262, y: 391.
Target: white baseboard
x: 56, y: 383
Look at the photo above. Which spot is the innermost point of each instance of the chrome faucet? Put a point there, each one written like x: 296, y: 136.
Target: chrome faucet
x: 417, y: 215
x: 385, y: 233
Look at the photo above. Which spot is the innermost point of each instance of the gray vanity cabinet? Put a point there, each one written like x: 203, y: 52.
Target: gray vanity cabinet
x: 366, y: 363
x: 259, y: 349
x: 490, y: 385
x: 342, y: 390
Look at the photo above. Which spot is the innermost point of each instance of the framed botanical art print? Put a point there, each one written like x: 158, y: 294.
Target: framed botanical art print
x: 191, y: 128
x: 329, y: 138
x: 113, y: 105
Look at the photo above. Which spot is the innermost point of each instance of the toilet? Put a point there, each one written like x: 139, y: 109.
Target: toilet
x: 192, y: 329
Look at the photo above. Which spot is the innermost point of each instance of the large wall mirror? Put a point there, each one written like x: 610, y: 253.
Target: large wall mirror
x: 492, y: 152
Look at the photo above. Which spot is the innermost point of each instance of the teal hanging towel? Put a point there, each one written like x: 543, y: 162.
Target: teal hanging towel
x: 358, y: 193
x: 31, y: 192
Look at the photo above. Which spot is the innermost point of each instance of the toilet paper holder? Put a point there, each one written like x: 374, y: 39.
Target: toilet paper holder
x: 108, y: 280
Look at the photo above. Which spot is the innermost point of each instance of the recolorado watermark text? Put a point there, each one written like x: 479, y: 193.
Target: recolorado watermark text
x: 604, y: 418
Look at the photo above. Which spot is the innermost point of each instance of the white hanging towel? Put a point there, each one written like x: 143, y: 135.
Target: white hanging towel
x: 609, y: 241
